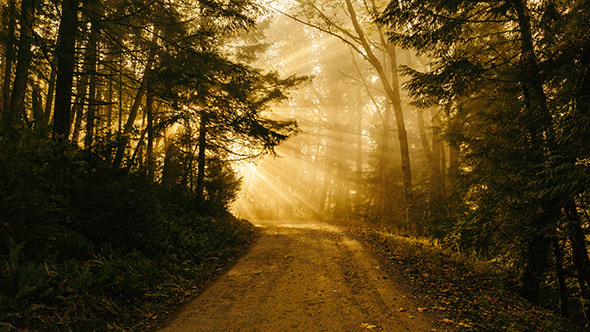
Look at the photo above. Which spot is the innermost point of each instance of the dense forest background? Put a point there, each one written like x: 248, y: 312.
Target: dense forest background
x: 465, y: 122
x: 128, y: 128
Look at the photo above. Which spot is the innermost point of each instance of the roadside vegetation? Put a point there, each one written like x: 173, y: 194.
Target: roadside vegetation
x: 461, y: 293
x: 102, y: 249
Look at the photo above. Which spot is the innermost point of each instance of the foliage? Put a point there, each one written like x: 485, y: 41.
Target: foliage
x: 102, y: 249
x: 463, y: 294
x: 509, y: 77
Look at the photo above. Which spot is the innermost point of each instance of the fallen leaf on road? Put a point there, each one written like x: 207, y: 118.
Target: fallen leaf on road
x: 402, y: 309
x: 368, y: 326
x: 465, y: 325
x: 447, y: 321
x: 420, y: 309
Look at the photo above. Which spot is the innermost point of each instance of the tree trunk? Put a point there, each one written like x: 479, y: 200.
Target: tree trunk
x: 9, y: 42
x: 124, y: 137
x: 563, y: 293
x: 359, y: 149
x: 537, y: 250
x: 51, y: 90
x: 544, y: 139
x: 402, y: 135
x: 78, y: 109
x: 16, y: 109
x: 435, y: 162
x: 92, y: 109
x: 383, y: 160
x: 579, y: 250
x: 150, y: 135
x: 65, y: 52
x: 82, y: 99
x: 38, y: 114
x: 424, y: 137
x: 393, y: 94
x: 533, y: 79
x: 120, y: 101
x: 453, y: 163
x: 109, y: 103
x: 201, y: 157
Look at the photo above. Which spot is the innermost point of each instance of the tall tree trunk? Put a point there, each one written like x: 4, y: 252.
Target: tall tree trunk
x: 393, y: 93
x: 383, y: 160
x: 38, y: 114
x: 563, y: 293
x: 17, y: 99
x: 92, y: 94
x: 453, y: 162
x: 537, y: 250
x: 402, y: 135
x: 543, y: 134
x: 437, y: 168
x: 424, y: 137
x: 124, y: 137
x: 109, y: 103
x: 150, y: 134
x: 78, y: 108
x: 51, y: 89
x: 443, y: 170
x: 9, y: 43
x: 579, y: 250
x: 82, y: 98
x: 340, y: 186
x: 65, y: 52
x: 359, y: 149
x: 120, y: 101
x: 201, y: 157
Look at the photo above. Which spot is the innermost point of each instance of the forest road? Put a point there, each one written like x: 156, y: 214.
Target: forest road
x: 303, y: 276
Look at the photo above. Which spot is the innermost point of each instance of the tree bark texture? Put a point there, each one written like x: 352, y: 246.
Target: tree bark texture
x: 92, y: 109
x: 393, y: 93
x: 133, y: 112
x: 201, y: 157
x: 65, y: 52
x: 10, y: 55
x: 16, y: 109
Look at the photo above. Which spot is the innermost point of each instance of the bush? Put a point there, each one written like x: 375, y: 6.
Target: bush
x: 89, y: 248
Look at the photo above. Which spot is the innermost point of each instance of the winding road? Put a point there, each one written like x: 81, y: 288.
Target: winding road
x: 303, y: 276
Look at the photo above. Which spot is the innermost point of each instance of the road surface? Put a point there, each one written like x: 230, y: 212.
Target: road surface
x: 303, y: 276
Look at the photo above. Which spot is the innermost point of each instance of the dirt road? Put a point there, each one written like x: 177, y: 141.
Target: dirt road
x: 303, y: 276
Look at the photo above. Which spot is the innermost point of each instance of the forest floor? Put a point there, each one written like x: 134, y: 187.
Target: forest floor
x: 461, y: 293
x: 305, y: 276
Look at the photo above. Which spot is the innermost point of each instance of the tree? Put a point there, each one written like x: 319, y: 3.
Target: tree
x: 353, y: 24
x: 16, y: 109
x: 10, y: 17
x: 65, y: 52
x: 496, y: 67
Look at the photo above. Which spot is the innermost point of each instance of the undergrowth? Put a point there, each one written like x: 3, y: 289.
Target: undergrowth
x: 464, y: 294
x: 84, y: 247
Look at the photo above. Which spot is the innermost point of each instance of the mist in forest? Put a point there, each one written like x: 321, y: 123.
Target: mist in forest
x: 344, y: 161
x: 133, y: 132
